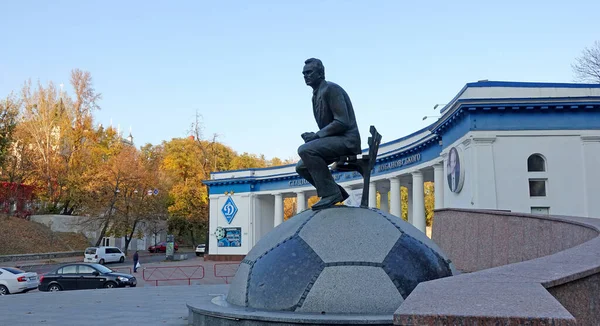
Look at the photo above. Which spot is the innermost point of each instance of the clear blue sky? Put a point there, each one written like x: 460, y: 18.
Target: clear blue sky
x: 239, y: 63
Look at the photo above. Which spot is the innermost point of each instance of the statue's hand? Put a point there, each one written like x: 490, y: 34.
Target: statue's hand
x: 308, y: 136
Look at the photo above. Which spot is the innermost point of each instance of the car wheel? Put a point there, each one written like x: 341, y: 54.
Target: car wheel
x: 4, y: 290
x: 101, y: 261
x: 122, y: 259
x: 198, y: 254
x: 54, y: 288
x: 110, y: 285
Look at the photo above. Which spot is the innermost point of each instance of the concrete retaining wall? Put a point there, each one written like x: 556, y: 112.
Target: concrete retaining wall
x: 527, y: 269
x: 48, y: 255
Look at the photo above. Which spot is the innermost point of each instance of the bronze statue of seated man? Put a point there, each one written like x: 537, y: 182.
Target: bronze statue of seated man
x: 337, y: 136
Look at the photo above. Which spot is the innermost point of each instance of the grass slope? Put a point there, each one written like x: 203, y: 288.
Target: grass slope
x: 19, y: 236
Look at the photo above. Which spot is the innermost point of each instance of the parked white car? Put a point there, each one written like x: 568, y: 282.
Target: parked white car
x: 103, y: 255
x: 200, y: 249
x: 14, y: 280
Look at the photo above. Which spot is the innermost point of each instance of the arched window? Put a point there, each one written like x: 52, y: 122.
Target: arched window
x: 536, y: 163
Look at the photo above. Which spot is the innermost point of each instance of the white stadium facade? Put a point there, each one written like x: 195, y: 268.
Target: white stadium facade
x: 523, y: 147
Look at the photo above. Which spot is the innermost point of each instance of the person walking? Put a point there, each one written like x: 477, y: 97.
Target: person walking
x: 136, y: 258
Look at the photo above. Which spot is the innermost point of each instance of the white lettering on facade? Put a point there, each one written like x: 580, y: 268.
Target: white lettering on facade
x: 303, y: 182
x: 398, y: 163
x: 298, y: 183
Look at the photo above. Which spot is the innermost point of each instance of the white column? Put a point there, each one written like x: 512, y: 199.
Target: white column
x: 383, y: 204
x: 410, y: 204
x: 213, y: 207
x: 418, y: 201
x: 438, y: 181
x: 300, y: 202
x: 372, y: 195
x: 396, y: 205
x: 591, y: 181
x: 278, y: 219
x: 483, y: 174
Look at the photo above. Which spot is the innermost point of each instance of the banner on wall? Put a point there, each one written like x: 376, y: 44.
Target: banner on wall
x: 455, y: 170
x: 229, y: 237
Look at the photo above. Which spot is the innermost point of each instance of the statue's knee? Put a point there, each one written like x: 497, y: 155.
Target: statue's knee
x: 302, y: 150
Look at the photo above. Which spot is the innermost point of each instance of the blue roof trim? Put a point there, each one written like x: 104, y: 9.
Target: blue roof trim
x: 403, y: 138
x: 456, y: 115
x: 287, y: 176
x: 515, y: 84
x: 408, y: 148
x: 254, y: 169
x: 530, y: 84
x: 502, y: 101
x: 442, y: 110
x: 391, y: 142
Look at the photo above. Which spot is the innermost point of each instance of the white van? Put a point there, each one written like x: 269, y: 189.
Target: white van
x: 103, y: 255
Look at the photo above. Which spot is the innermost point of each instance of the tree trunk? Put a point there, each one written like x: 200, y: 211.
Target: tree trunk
x: 192, y: 236
x: 66, y: 208
x: 128, y: 239
x: 107, y: 221
x: 103, y: 232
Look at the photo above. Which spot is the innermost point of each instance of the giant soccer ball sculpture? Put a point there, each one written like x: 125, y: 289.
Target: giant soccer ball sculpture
x: 336, y: 261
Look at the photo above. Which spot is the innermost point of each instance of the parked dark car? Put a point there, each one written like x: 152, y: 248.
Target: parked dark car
x: 84, y: 276
x: 162, y: 247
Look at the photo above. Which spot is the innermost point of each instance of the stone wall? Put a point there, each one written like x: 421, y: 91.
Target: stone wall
x: 523, y: 269
x: 48, y: 255
x: 477, y: 239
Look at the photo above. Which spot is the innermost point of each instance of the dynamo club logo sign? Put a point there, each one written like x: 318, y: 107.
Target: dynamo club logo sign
x: 229, y: 210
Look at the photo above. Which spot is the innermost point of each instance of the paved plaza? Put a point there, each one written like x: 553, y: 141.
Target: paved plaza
x: 151, y: 305
x: 147, y: 304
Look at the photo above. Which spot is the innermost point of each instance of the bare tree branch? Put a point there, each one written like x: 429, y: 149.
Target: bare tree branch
x: 587, y: 66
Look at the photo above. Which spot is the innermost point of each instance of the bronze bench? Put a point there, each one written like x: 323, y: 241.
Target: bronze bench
x: 362, y: 164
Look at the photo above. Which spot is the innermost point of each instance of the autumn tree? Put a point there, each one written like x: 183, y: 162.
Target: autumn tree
x: 183, y: 166
x: 587, y: 66
x: 429, y: 202
x: 114, y: 172
x: 59, y: 128
x: 137, y: 201
x: 9, y: 109
x: 11, y: 166
x: 78, y: 139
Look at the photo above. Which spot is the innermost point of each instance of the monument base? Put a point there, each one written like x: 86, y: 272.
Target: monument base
x: 212, y: 309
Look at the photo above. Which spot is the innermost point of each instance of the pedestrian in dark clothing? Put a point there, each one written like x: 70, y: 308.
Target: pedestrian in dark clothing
x: 136, y: 257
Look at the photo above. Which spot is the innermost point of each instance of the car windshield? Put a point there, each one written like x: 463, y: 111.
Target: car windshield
x: 102, y: 269
x: 13, y: 270
x: 90, y: 251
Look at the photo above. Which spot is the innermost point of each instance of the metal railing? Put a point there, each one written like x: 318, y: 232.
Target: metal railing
x: 173, y: 273
x: 225, y: 270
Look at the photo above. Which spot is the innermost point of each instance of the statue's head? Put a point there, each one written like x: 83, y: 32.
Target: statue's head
x: 314, y: 72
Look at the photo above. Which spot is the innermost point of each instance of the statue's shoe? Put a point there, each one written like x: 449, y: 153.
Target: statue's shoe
x: 328, y: 201
x: 344, y: 193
